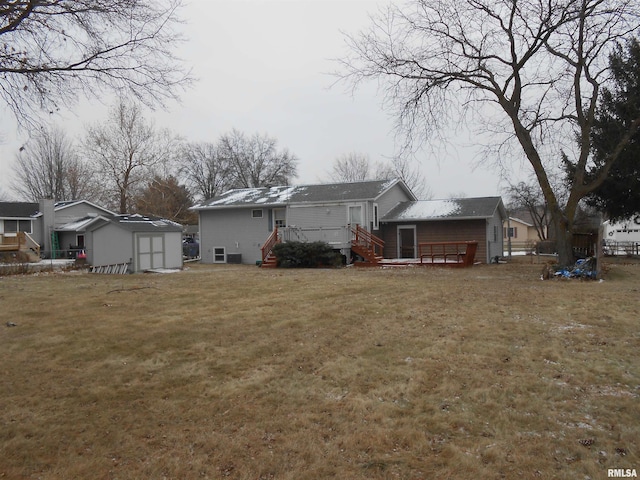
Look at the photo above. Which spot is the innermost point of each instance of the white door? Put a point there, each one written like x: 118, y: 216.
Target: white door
x: 355, y: 215
x: 150, y: 251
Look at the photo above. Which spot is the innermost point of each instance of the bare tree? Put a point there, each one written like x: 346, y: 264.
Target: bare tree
x: 53, y: 51
x: 48, y: 166
x: 205, y: 171
x: 125, y: 150
x: 530, y: 73
x: 357, y: 167
x: 528, y: 197
x: 411, y: 175
x: 256, y: 161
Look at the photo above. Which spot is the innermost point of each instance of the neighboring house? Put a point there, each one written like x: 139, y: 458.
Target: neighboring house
x: 55, y: 226
x: 65, y: 229
x: 622, y: 237
x: 524, y: 235
x: 454, y: 220
x: 17, y: 228
x: 235, y: 225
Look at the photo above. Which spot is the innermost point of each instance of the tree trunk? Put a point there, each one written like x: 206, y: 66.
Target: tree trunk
x: 564, y: 239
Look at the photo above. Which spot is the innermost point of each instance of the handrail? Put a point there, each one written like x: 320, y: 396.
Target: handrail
x: 31, y: 244
x: 364, y: 237
x: 267, y: 247
x: 449, y: 252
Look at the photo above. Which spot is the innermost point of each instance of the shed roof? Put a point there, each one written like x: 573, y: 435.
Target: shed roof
x: 18, y: 209
x: 143, y: 223
x: 133, y: 223
x: 451, y: 209
x: 282, y: 195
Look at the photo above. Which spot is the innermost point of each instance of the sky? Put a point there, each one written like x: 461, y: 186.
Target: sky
x: 265, y: 66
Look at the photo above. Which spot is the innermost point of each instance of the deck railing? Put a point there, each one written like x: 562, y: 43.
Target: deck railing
x: 267, y: 247
x: 360, y: 236
x: 448, y: 253
x: 20, y: 241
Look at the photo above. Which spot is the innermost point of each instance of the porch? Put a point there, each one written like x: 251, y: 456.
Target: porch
x: 20, y: 242
x: 369, y: 247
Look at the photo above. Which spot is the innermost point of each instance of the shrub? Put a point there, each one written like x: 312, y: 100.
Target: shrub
x: 306, y: 255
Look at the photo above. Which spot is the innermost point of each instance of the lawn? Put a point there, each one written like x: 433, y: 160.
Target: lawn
x: 247, y: 373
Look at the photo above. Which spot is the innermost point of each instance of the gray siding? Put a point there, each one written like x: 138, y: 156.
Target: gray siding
x: 74, y: 212
x: 235, y: 230
x: 110, y: 245
x: 495, y: 242
x: 389, y: 200
x: 330, y: 215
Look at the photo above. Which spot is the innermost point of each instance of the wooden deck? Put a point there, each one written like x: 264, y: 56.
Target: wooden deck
x: 19, y: 242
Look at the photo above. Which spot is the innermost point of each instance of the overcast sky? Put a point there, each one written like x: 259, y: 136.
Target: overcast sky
x: 264, y: 66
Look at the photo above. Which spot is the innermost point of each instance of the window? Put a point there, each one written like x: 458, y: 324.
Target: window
x: 219, y: 255
x: 256, y: 213
x: 14, y: 226
x: 10, y: 226
x: 280, y: 217
x: 510, y: 232
x: 355, y: 215
x: 376, y: 221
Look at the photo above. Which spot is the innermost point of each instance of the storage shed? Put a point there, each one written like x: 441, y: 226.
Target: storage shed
x: 144, y: 242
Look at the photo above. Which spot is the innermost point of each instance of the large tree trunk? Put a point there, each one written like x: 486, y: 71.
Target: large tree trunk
x: 564, y: 239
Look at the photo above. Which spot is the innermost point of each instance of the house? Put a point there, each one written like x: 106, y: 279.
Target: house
x: 412, y: 223
x: 524, y: 234
x: 65, y: 229
x: 368, y: 221
x: 237, y: 224
x: 17, y: 228
x: 622, y: 237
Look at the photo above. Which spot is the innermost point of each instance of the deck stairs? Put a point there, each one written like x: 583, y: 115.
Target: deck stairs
x: 268, y: 257
x: 366, y: 245
x: 363, y: 243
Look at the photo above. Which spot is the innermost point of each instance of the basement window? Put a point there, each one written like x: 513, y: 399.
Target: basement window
x: 256, y: 213
x: 219, y: 255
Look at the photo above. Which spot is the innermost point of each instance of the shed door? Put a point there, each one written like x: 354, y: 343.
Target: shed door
x: 150, y: 252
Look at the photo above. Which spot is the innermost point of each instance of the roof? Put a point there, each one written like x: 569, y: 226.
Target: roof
x: 519, y: 220
x: 451, y: 209
x: 58, y: 206
x: 136, y: 223
x: 18, y: 209
x: 282, y: 195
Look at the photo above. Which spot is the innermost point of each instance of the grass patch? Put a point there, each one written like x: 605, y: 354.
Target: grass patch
x: 240, y: 372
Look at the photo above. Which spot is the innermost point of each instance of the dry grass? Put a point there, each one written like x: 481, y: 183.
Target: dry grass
x: 240, y: 372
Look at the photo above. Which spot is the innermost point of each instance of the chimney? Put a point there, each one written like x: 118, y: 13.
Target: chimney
x: 47, y: 208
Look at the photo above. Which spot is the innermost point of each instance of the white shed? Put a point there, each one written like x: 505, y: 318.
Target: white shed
x: 144, y: 242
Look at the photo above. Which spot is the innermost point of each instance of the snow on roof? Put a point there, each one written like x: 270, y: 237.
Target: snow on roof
x: 280, y: 195
x: 457, y: 208
x: 431, y: 209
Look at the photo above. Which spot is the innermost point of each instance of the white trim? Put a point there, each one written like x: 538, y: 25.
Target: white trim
x: 224, y: 254
x: 376, y: 217
x: 415, y: 240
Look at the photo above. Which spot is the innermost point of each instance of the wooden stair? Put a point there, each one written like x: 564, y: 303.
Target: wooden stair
x: 367, y: 245
x: 268, y: 258
x: 270, y: 261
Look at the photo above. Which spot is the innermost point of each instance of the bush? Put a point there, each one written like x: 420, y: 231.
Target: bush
x: 306, y: 255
